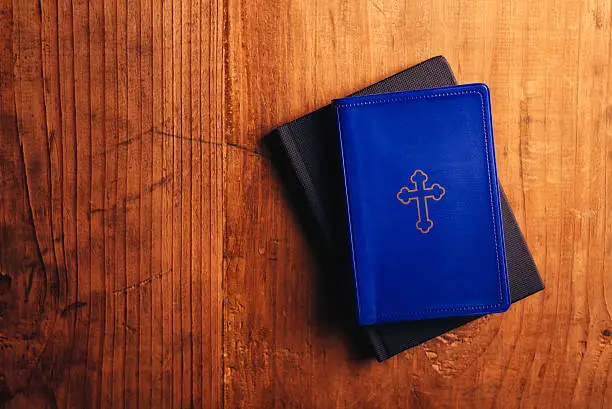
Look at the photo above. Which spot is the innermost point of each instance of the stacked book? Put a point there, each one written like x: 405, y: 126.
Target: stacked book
x: 397, y: 188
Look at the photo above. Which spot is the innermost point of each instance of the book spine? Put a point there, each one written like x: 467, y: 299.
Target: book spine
x: 297, y: 181
x: 377, y: 343
x: 365, y: 305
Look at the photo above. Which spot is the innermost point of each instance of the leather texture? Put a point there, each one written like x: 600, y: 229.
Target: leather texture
x: 423, y: 204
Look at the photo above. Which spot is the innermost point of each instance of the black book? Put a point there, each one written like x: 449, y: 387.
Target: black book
x: 305, y: 153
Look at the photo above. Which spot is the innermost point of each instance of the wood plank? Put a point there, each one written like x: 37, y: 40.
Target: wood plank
x: 107, y: 294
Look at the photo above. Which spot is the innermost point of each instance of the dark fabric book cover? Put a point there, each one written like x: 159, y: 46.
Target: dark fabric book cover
x: 305, y: 153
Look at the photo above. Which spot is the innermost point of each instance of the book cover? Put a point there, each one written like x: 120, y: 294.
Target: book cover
x: 423, y: 206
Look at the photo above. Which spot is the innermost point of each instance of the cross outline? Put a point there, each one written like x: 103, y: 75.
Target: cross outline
x: 418, y: 195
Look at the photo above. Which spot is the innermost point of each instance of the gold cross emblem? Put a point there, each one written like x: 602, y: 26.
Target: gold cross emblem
x: 420, y: 193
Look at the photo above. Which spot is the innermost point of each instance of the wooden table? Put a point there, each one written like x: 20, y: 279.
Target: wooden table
x: 149, y: 257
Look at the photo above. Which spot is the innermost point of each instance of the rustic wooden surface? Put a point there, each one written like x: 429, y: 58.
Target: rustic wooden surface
x: 148, y: 257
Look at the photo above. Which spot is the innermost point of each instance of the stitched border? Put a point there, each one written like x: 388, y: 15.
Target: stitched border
x: 485, y: 129
x: 420, y: 313
x: 495, y: 234
x: 406, y: 98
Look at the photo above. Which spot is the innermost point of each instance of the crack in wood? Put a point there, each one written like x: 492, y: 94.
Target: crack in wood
x: 71, y: 308
x: 166, y: 134
x: 140, y: 284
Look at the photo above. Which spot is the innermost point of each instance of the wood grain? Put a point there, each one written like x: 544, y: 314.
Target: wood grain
x: 148, y: 255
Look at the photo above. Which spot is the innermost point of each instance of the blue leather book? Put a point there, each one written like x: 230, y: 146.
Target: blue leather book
x: 423, y: 204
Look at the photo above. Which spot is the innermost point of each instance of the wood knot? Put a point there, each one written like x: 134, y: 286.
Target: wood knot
x: 5, y: 393
x: 5, y: 283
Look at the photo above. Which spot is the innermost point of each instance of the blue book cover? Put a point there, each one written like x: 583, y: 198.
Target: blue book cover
x: 423, y: 204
